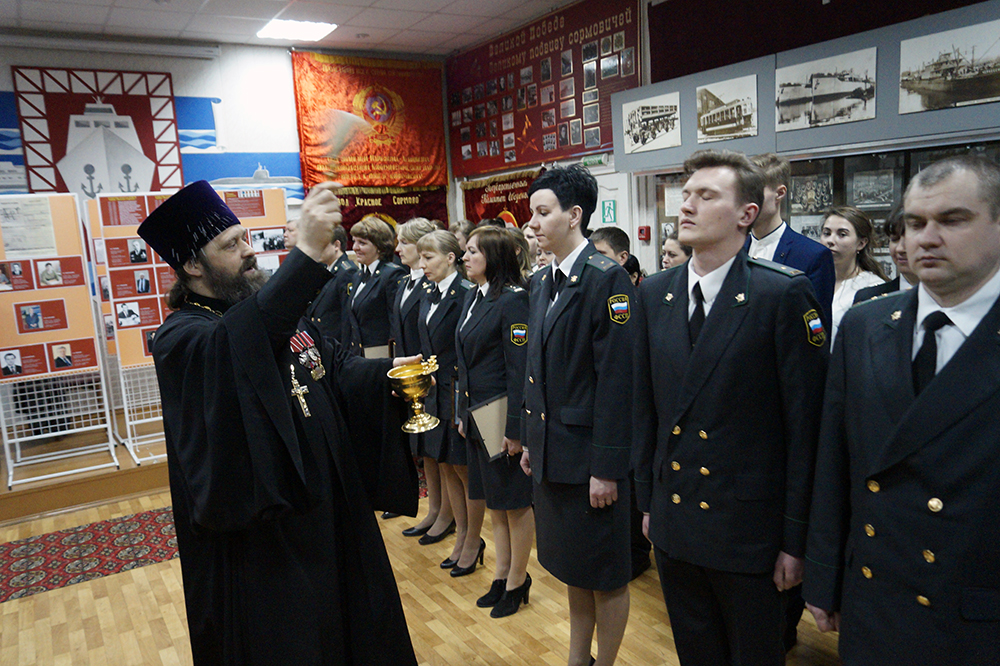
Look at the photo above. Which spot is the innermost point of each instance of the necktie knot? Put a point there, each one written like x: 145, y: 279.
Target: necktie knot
x: 365, y: 274
x: 935, y: 320
x: 435, y: 296
x: 558, y: 280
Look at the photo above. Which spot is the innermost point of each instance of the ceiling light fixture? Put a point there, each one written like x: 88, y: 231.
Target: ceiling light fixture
x: 299, y: 31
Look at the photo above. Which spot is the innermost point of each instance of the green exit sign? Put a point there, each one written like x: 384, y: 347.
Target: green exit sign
x: 609, y: 212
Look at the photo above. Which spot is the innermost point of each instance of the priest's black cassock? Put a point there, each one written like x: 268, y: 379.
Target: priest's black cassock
x: 281, y: 555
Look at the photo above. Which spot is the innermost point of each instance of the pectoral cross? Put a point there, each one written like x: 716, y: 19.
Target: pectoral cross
x: 300, y: 393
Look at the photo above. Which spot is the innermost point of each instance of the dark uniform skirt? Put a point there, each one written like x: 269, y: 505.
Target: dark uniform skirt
x: 578, y: 544
x: 502, y: 483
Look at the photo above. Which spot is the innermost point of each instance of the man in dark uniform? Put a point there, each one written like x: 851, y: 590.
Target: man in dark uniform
x: 903, y: 555
x: 730, y: 361
x: 273, y: 492
x: 137, y: 255
x: 579, y: 376
x: 327, y: 311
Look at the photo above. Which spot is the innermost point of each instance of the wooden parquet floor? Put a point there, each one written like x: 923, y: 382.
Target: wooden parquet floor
x: 137, y: 618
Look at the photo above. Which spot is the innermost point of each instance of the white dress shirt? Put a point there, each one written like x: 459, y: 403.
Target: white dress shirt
x: 442, y: 286
x: 964, y: 318
x: 764, y: 248
x: 566, y: 265
x: 483, y: 290
x: 362, y: 285
x: 711, y: 284
x: 415, y: 275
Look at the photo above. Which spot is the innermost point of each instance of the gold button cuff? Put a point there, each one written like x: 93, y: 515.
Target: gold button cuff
x: 676, y: 430
x: 703, y: 434
x: 874, y: 487
x: 675, y: 465
x: 923, y: 601
x: 866, y: 572
x: 934, y: 504
x: 675, y: 498
x: 929, y: 556
x: 704, y: 505
x: 869, y: 530
x: 704, y: 471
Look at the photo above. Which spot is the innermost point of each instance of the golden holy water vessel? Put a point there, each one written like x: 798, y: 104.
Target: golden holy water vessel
x: 413, y: 381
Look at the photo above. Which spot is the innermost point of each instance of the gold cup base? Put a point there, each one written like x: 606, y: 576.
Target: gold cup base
x: 419, y: 423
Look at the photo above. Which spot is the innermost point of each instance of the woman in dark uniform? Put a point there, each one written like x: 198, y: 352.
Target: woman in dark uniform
x: 372, y: 291
x: 406, y: 342
x: 439, y: 312
x: 491, y: 338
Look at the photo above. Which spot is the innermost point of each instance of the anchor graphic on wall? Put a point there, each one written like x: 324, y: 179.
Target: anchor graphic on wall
x: 127, y: 187
x: 89, y: 170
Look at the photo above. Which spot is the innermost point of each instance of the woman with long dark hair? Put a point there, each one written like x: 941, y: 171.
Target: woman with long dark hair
x: 491, y: 342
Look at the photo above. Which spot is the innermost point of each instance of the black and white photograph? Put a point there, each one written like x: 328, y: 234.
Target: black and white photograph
x: 478, y: 91
x: 466, y: 95
x: 467, y: 114
x: 480, y: 111
x: 456, y: 118
x: 109, y: 327
x: 465, y: 133
x: 609, y: 67
x: 481, y: 149
x: 509, y: 156
x: 105, y: 288
x: 548, y: 94
x: 492, y: 108
x: 948, y: 69
x: 5, y: 284
x: 567, y: 109
x: 522, y: 99
x: 576, y: 132
x: 592, y: 137
x: 810, y: 226
x: 527, y: 74
x: 727, y: 109
x: 510, y: 80
x: 589, y: 75
x: 566, y: 63
x: 563, y: 135
x: 590, y: 51
x: 501, y: 83
x: 839, y: 89
x: 480, y: 130
x: 549, y: 142
x: 128, y: 314
x: 652, y: 123
x: 549, y: 118
x: 591, y: 114
x: 567, y: 88
x: 811, y: 194
x: 507, y: 103
x: 137, y: 252
x: 591, y: 96
x: 491, y: 87
x: 873, y: 189
x: 493, y: 127
x: 606, y: 46
x: 494, y: 148
x: 628, y: 61
x: 508, y: 140
x: 532, y: 95
x: 268, y: 263
x: 467, y: 151
x: 545, y: 70
x: 507, y: 121
x: 12, y: 362
x: 619, y: 39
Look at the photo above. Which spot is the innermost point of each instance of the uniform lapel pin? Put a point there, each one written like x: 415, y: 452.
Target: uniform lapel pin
x: 740, y: 298
x: 896, y: 315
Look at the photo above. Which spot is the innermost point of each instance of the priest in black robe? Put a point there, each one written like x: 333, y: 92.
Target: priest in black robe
x: 280, y: 448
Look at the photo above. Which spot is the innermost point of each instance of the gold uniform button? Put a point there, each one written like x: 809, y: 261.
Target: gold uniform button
x: 675, y: 498
x: 703, y: 434
x: 874, y: 487
x: 704, y: 505
x: 675, y: 465
x: 466, y: 394
x: 543, y: 416
x: 531, y: 379
x: 528, y: 412
x: 704, y: 471
x: 869, y: 530
x: 676, y: 430
x: 934, y: 504
x: 866, y: 572
x: 923, y: 601
x: 929, y: 556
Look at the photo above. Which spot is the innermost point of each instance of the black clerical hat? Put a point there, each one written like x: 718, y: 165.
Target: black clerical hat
x: 186, y: 222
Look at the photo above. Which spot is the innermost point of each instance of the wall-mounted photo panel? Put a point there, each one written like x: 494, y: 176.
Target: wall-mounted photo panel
x: 653, y: 123
x: 948, y: 69
x: 840, y: 89
x: 727, y: 109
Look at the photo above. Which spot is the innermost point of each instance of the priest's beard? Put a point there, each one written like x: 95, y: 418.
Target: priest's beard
x: 234, y: 288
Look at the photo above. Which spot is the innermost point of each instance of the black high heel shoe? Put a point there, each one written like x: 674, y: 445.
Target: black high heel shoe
x: 416, y: 531
x: 429, y: 538
x: 491, y: 598
x: 457, y: 571
x: 449, y: 563
x: 511, y: 600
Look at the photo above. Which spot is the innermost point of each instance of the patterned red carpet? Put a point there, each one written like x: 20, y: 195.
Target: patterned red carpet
x: 54, y: 560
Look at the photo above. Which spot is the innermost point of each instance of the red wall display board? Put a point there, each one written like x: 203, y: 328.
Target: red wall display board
x: 44, y: 291
x: 542, y: 92
x: 133, y: 280
x: 504, y: 196
x: 394, y: 204
x: 367, y: 122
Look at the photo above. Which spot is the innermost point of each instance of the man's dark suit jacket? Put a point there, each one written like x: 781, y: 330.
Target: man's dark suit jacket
x: 579, y: 373
x: 327, y: 310
x: 726, y: 431
x: 813, y: 259
x: 904, y: 536
x: 366, y: 323
x: 868, y: 293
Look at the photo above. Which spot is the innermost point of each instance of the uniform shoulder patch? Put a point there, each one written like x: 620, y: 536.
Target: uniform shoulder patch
x: 518, y: 334
x: 467, y: 284
x: 775, y: 266
x: 514, y: 288
x: 600, y: 262
x: 618, y: 308
x: 814, y: 328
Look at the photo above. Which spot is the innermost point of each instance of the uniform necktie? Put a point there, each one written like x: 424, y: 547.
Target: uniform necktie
x: 925, y: 362
x: 435, y: 296
x: 365, y: 274
x: 558, y: 280
x: 698, y: 316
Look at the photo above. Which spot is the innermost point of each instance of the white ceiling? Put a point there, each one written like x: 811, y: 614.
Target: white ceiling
x: 429, y: 27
